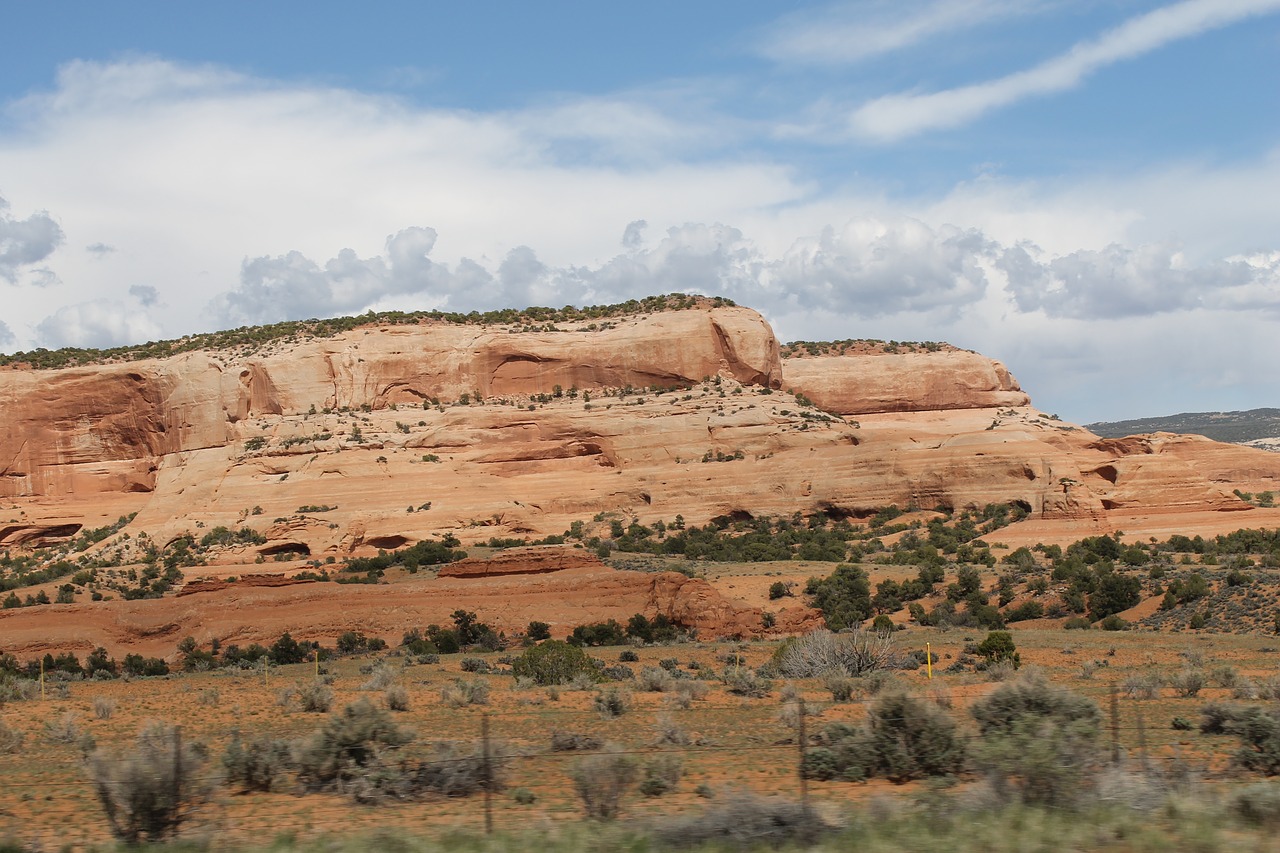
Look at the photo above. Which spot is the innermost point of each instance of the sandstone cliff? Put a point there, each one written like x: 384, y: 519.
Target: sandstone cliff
x: 382, y: 436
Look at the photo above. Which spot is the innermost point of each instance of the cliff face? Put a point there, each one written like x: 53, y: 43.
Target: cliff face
x: 336, y: 445
x: 859, y: 384
x: 108, y: 428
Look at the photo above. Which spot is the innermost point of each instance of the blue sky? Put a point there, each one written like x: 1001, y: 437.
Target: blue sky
x: 1085, y: 190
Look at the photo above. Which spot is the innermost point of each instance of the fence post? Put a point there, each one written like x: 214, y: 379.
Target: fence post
x: 177, y: 769
x: 1142, y: 740
x: 1115, y: 726
x: 488, y: 775
x: 801, y: 741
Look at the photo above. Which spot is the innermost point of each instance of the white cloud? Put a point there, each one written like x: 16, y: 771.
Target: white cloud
x: 894, y: 117
x: 6, y: 335
x: 847, y: 33
x: 24, y: 242
x: 99, y: 250
x: 97, y: 323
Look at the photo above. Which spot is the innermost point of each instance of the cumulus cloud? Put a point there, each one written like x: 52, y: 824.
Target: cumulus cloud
x: 24, y: 242
x: 894, y: 117
x: 868, y: 268
x: 97, y: 323
x: 1121, y: 281
x: 292, y: 286
x: 99, y: 250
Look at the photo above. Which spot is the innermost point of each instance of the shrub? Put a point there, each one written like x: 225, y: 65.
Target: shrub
x: 475, y: 665
x: 742, y: 820
x: 779, y: 589
x: 1257, y: 804
x: 661, y: 774
x: 315, y: 698
x: 1188, y: 682
x: 149, y: 793
x: 911, y: 739
x: 1077, y: 623
x: 346, y: 745
x: 524, y: 796
x: 608, y: 633
x: 653, y: 679
x: 1259, y: 734
x: 454, y: 770
x: 553, y: 662
x: 741, y: 681
x: 629, y: 656
x: 841, y: 688
x: 1039, y: 741
x: 397, y: 698
x: 822, y: 653
x: 538, y: 631
x: 10, y: 739
x: 612, y: 702
x: 1217, y: 717
x: 1142, y: 685
x: 601, y: 781
x: 573, y: 742
x: 380, y: 678
x: 462, y: 693
x: 262, y: 766
x: 65, y: 729
x: 998, y: 646
x: 844, y: 597
x: 103, y: 707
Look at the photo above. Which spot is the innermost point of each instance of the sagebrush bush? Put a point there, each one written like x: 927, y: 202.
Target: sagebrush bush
x: 263, y: 765
x: 1258, y: 804
x: 103, y: 707
x: 315, y: 697
x: 912, y: 739
x: 741, y: 681
x: 461, y: 693
x: 655, y: 679
x: 1039, y: 741
x: 1188, y: 682
x: 380, y: 678
x: 65, y: 729
x: 742, y: 820
x: 661, y: 774
x: 612, y: 702
x: 822, y: 653
x: 396, y: 697
x: 149, y: 793
x: 573, y: 742
x: 601, y: 781
x: 10, y: 739
x: 348, y: 744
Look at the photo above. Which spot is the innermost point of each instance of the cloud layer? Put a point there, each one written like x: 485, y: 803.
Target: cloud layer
x: 893, y: 117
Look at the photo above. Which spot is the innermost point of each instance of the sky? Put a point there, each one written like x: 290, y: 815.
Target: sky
x: 1087, y: 191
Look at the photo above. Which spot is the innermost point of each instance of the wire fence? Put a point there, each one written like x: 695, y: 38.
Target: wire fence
x: 760, y: 744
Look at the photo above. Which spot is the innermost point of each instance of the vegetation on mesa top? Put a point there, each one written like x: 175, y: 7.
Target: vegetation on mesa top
x: 863, y: 346
x: 1219, y: 426
x: 532, y: 319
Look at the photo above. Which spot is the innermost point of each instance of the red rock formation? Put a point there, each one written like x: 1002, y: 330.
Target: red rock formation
x: 534, y: 560
x: 862, y: 383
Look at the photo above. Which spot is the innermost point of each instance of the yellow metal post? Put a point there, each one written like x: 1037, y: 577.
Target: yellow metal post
x: 928, y: 659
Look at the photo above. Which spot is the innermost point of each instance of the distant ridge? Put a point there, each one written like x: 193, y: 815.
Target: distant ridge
x: 1234, y: 427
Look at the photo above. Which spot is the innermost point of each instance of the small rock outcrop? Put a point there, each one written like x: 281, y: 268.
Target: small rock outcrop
x: 533, y: 560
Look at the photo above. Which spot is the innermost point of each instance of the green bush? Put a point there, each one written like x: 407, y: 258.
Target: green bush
x: 346, y: 745
x: 261, y: 766
x: 998, y: 646
x: 911, y: 738
x: 554, y: 662
x: 844, y: 597
x: 1039, y: 741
